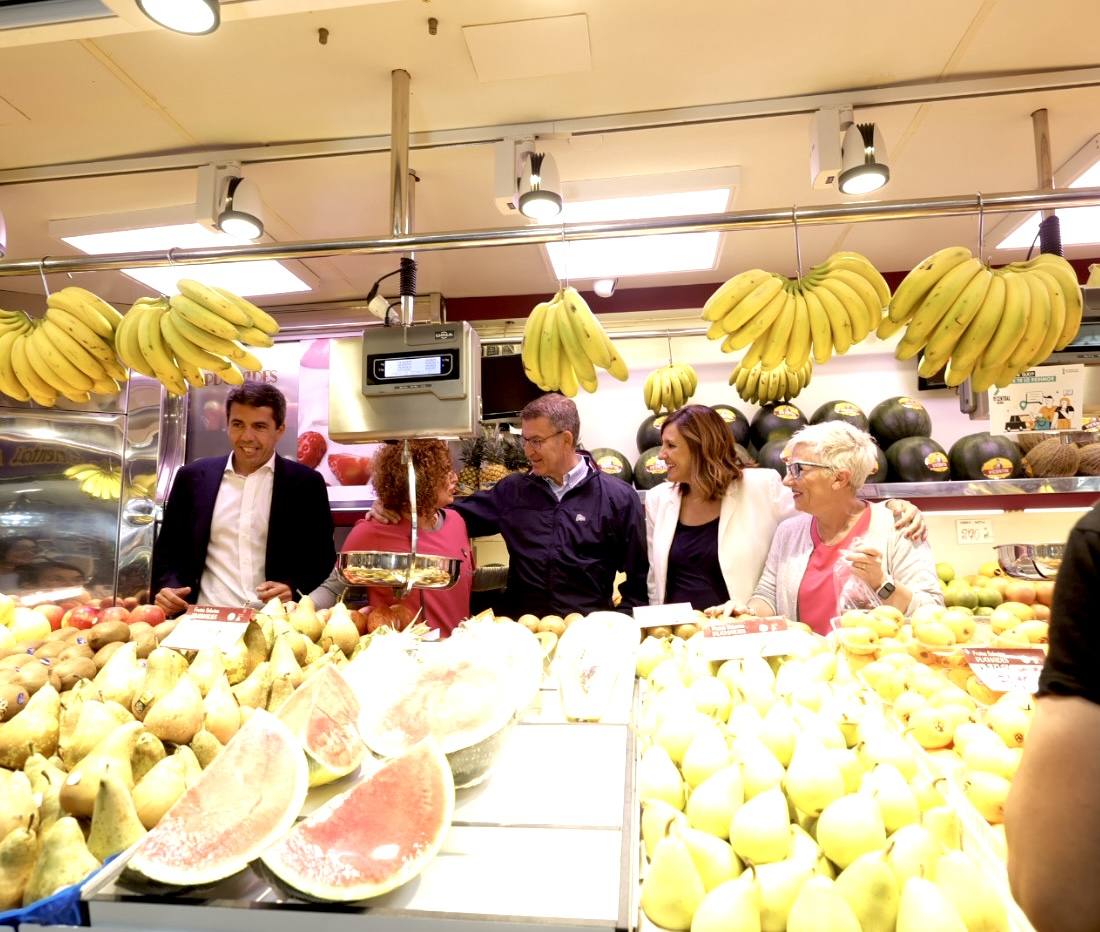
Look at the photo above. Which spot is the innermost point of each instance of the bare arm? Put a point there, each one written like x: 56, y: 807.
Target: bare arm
x: 1052, y: 818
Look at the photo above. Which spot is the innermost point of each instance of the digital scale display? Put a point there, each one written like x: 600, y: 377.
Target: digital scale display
x: 412, y: 367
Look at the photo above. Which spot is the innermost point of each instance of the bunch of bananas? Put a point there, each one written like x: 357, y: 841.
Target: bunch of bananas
x: 986, y: 324
x: 670, y: 387
x: 68, y: 353
x: 564, y: 343
x: 780, y: 383
x: 174, y: 340
x: 831, y: 308
x: 105, y: 484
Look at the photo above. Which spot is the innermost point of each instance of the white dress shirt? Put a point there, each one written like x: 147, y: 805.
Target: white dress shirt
x: 236, y: 556
x: 570, y: 480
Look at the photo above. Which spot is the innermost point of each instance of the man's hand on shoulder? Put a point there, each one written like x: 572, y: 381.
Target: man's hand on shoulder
x: 382, y: 515
x: 908, y: 520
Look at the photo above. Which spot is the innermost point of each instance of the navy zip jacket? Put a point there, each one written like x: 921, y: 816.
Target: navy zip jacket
x: 563, y: 556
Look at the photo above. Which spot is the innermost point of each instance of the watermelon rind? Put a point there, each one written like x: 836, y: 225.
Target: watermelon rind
x: 419, y: 783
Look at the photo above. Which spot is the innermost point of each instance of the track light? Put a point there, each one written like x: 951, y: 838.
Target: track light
x: 539, y: 187
x: 604, y: 287
x: 191, y: 17
x: 863, y: 160
x: 229, y: 202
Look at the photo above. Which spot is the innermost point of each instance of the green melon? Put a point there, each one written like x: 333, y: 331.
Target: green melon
x: 649, y: 471
x: 775, y: 422
x: 984, y: 456
x: 613, y: 463
x: 899, y: 417
x: 649, y: 434
x: 918, y: 459
x: 738, y: 423
x: 771, y: 456
x: 880, y: 474
x: 841, y: 411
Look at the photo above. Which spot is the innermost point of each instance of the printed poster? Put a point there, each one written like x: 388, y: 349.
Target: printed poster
x: 1043, y: 398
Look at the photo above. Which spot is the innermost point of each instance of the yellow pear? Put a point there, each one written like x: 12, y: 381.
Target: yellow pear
x: 1011, y: 724
x: 63, y: 859
x: 912, y: 852
x: 706, y: 755
x: 17, y: 805
x: 819, y: 906
x: 760, y: 770
x: 206, y: 668
x: 78, y: 793
x: 803, y: 847
x: 221, y: 713
x: 35, y: 730
x: 115, y: 680
x: 43, y: 772
x: 267, y: 628
x: 148, y: 749
x: 253, y: 691
x: 761, y: 829
x: 885, y: 747
x: 975, y: 899
x: 176, y: 716
x: 897, y: 803
x: 943, y: 822
x: 256, y: 645
x: 206, y: 747
x: 849, y: 827
x: 164, y: 668
x: 304, y: 619
x: 992, y: 758
x: 164, y: 784
x: 236, y: 659
x: 714, y: 858
x: 275, y: 608
x: 72, y: 703
x: 778, y: 885
x: 814, y: 778
x: 658, y: 778
x: 115, y: 822
x: 733, y: 906
x: 871, y: 889
x: 284, y: 663
x: 97, y: 720
x: 340, y: 630
x: 713, y: 802
x: 657, y: 818
x: 924, y: 908
x: 672, y: 889
x: 932, y: 727
x: 779, y: 732
x: 17, y: 853
x: 986, y: 791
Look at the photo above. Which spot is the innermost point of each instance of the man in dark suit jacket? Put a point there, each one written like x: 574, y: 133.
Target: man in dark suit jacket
x: 248, y: 526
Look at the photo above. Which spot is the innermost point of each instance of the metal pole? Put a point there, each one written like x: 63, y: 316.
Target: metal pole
x: 1044, y: 170
x: 400, y: 178
x: 772, y: 218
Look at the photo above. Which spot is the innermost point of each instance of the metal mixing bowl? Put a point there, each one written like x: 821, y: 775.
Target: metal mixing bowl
x: 388, y: 569
x: 1031, y: 561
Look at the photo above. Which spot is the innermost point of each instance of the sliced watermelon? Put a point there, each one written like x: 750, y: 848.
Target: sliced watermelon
x: 323, y: 714
x: 372, y: 839
x: 246, y: 799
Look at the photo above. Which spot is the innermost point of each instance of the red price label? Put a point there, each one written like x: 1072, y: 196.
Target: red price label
x: 1003, y: 669
x: 220, y: 613
x: 209, y: 626
x: 745, y: 624
x: 746, y: 635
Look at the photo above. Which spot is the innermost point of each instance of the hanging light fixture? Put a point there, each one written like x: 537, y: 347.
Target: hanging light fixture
x: 243, y: 213
x: 191, y: 17
x: 863, y: 160
x: 540, y: 187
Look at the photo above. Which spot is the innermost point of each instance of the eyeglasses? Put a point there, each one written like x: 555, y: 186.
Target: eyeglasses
x: 535, y: 443
x: 797, y: 467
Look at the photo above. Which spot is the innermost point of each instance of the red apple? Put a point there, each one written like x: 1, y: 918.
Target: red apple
x: 115, y: 613
x: 360, y: 620
x: 130, y: 602
x: 83, y: 616
x: 152, y: 614
x: 54, y: 613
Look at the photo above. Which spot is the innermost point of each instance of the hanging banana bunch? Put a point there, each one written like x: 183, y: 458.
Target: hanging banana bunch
x: 174, y: 340
x: 780, y: 383
x: 830, y: 309
x: 564, y: 344
x: 986, y: 324
x: 670, y: 387
x: 95, y: 481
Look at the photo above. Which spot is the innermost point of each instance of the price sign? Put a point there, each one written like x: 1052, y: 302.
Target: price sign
x: 673, y: 614
x: 1006, y: 668
x: 748, y: 636
x: 974, y: 530
x: 209, y: 626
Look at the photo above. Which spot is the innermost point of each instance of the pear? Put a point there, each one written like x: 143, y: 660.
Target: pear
x: 284, y: 663
x: 986, y: 791
x: 79, y: 790
x: 17, y: 852
x: 304, y: 619
x: 97, y: 720
x: 313, y: 652
x: 993, y: 758
x: 267, y: 628
x: 275, y: 608
x: 780, y: 732
x: 733, y: 906
x: 1010, y: 723
x: 115, y: 680
x: 760, y: 771
x: 912, y: 852
x: 761, y: 829
x: 650, y: 653
x: 886, y: 748
x: 672, y: 889
x: 340, y: 630
x: 706, y: 755
x: 803, y: 847
x: 17, y: 805
x: 871, y: 889
x: 176, y: 716
x: 63, y: 859
x: 115, y: 822
x: 163, y: 669
x: 235, y: 660
x: 677, y: 730
x: 778, y: 885
x: 206, y: 747
x: 926, y: 789
x: 221, y: 713
x: 813, y: 779
x: 711, y: 806
x: 163, y: 785
x: 658, y: 778
x: 43, y: 773
x: 744, y: 722
x: 72, y: 702
x: 968, y: 889
x: 282, y: 688
x: 332, y: 655
x: 849, y: 827
x: 256, y: 645
x: 851, y: 768
x: 206, y: 669
x: 657, y: 818
x: 714, y: 858
x: 35, y: 730
x: 924, y: 908
x: 820, y: 906
x: 897, y: 803
x: 943, y: 822
x: 254, y: 690
x: 148, y: 749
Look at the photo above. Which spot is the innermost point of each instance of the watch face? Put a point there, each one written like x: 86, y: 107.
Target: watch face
x: 886, y: 590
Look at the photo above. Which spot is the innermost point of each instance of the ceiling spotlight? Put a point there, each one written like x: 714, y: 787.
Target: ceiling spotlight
x: 604, y: 287
x: 863, y: 160
x: 191, y: 17
x: 243, y: 214
x: 539, y: 187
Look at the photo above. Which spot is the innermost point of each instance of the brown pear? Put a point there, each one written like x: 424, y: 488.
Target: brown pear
x: 160, y: 788
x: 206, y: 668
x: 116, y: 680
x: 17, y: 805
x: 79, y: 790
x: 282, y: 688
x: 304, y: 619
x: 206, y: 747
x: 163, y: 669
x: 97, y: 720
x: 221, y: 712
x: 284, y: 663
x: 17, y: 852
x: 35, y: 730
x: 148, y: 749
x: 72, y: 702
x: 62, y: 860
x: 176, y: 716
x: 254, y: 690
x: 115, y: 822
x: 340, y: 630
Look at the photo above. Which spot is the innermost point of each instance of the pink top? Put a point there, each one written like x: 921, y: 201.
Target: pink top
x: 817, y: 594
x: 443, y: 609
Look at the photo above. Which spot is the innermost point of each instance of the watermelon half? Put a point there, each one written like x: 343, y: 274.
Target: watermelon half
x: 246, y: 799
x: 372, y: 839
x: 323, y: 714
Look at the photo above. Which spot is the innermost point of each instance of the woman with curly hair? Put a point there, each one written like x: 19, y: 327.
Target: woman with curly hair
x: 440, y: 531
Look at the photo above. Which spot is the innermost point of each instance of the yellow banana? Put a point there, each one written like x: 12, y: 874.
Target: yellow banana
x: 840, y: 324
x: 231, y: 375
x: 858, y: 314
x: 716, y: 331
x: 755, y: 351
x: 751, y: 384
x: 69, y: 374
x: 760, y: 322
x: 214, y: 301
x: 588, y: 329
x: 42, y: 368
x: 83, y: 334
x: 73, y: 351
x: 550, y: 349
x: 246, y: 360
x: 105, y: 309
x: 979, y: 331
x: 202, y: 317
x: 9, y: 381
x: 1064, y: 273
x: 1038, y: 326
x: 820, y: 331
x: 15, y: 321
x: 753, y: 304
x: 578, y: 359
x: 253, y: 336
x: 187, y: 352
x: 798, y: 346
x: 729, y: 294
x: 191, y: 373
x: 568, y: 378
x: 1057, y: 314
x: 261, y: 320
x: 954, y: 323
x: 779, y: 333
x: 532, y: 338
x: 126, y: 341
x: 887, y: 328
x: 40, y: 391
x: 70, y: 301
x: 1012, y: 326
x: 617, y: 369
x: 105, y: 386
x: 652, y: 399
x: 739, y: 377
x: 864, y: 290
x: 861, y: 265
x: 920, y: 281
x: 204, y: 338
x: 156, y: 354
x: 935, y: 306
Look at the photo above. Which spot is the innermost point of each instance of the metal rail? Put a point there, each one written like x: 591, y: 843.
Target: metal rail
x: 769, y: 218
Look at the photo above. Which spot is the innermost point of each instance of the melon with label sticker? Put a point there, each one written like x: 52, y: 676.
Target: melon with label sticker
x: 650, y: 471
x: 613, y: 463
x: 738, y: 423
x: 917, y: 459
x: 841, y: 411
x: 775, y: 422
x: 899, y: 417
x: 771, y: 456
x: 985, y: 456
x: 649, y: 434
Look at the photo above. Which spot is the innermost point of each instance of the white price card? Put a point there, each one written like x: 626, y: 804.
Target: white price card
x: 974, y: 530
x: 209, y: 626
x: 747, y: 636
x: 671, y: 615
x: 1006, y: 668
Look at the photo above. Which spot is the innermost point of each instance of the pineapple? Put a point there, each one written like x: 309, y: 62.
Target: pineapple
x: 492, y: 462
x: 515, y: 460
x: 471, y: 450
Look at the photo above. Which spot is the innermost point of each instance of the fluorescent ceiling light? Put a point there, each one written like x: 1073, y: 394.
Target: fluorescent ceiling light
x: 1080, y: 225
x: 263, y: 277
x: 620, y: 257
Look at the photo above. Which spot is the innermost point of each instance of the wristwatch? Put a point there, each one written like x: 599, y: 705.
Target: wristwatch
x: 887, y: 588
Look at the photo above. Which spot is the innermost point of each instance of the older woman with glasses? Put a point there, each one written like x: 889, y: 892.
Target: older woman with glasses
x: 839, y: 537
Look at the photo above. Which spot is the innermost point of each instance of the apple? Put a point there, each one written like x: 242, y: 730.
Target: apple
x: 151, y: 614
x: 130, y: 602
x: 83, y: 616
x: 53, y: 613
x: 115, y: 613
x: 359, y: 619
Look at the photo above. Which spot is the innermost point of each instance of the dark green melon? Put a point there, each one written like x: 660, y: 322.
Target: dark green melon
x: 841, y: 411
x: 613, y: 463
x: 649, y: 434
x: 917, y: 459
x: 771, y: 456
x: 899, y: 417
x: 738, y: 423
x: 984, y: 456
x: 883, y: 470
x: 775, y: 422
x: 649, y: 471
